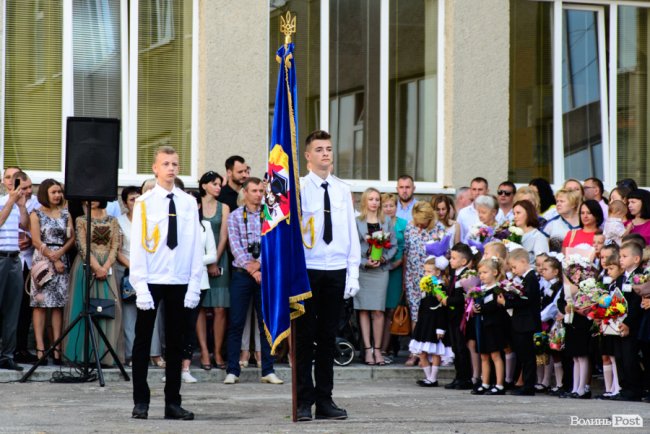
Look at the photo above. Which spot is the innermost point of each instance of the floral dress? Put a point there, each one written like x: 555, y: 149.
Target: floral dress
x: 415, y: 240
x: 54, y: 293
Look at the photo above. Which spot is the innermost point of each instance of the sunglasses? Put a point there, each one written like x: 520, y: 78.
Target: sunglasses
x: 504, y: 193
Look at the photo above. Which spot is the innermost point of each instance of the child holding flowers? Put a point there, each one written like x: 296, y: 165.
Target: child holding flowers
x: 461, y: 258
x: 609, y: 343
x: 491, y: 340
x: 429, y: 339
x: 525, y: 318
x: 551, y: 272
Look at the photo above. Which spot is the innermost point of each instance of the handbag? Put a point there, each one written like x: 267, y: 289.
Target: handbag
x: 401, y: 325
x: 127, y: 291
x: 42, y: 270
x: 102, y: 308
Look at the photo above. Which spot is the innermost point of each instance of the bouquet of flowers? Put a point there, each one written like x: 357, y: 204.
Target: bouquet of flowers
x: 509, y: 232
x: 378, y: 241
x: 432, y: 285
x: 438, y: 246
x: 640, y: 279
x: 589, y: 293
x: 469, y: 279
x: 578, y: 268
x: 481, y: 233
x: 510, y: 289
x: 610, y: 310
x: 471, y: 295
x: 541, y: 340
x: 556, y: 336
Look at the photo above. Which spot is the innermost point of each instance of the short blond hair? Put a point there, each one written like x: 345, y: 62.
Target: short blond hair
x: 165, y: 149
x: 389, y: 197
x: 423, y: 211
x: 573, y: 197
x: 519, y: 254
x: 530, y: 195
x: 617, y: 207
x: 494, y: 264
x: 499, y: 247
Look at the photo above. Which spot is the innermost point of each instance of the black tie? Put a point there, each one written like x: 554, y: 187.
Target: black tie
x: 327, y: 228
x: 172, y: 231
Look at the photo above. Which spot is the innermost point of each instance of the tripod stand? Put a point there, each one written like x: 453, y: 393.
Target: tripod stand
x: 89, y: 318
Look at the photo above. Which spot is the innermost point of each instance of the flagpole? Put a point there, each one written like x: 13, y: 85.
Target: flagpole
x: 294, y: 372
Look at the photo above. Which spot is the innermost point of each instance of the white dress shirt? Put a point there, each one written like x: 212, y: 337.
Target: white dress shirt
x: 125, y: 227
x: 184, y: 264
x: 343, y: 251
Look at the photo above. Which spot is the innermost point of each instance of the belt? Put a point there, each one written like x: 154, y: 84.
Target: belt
x: 239, y: 270
x: 9, y: 254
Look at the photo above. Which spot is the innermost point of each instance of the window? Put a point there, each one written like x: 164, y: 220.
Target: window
x: 33, y: 84
x: 381, y: 58
x: 595, y: 123
x: 148, y: 82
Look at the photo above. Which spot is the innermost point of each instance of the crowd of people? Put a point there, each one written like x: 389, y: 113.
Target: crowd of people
x: 433, y: 255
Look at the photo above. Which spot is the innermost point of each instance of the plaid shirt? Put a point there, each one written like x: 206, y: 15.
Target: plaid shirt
x: 240, y: 234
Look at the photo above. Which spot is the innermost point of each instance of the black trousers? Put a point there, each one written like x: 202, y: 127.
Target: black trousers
x: 319, y: 324
x: 462, y: 360
x: 628, y: 366
x: 174, y: 314
x: 24, y: 317
x: 645, y: 351
x: 524, y: 346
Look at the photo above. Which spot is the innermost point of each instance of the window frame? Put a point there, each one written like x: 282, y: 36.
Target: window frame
x: 127, y: 172
x: 384, y: 182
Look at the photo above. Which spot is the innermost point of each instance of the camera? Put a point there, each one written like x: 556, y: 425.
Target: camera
x: 255, y: 249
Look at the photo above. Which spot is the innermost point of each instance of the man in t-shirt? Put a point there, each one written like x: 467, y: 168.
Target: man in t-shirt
x: 237, y: 172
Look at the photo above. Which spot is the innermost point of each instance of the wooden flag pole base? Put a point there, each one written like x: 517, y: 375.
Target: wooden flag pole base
x: 294, y: 371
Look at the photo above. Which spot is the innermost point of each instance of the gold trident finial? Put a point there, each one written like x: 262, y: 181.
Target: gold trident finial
x: 288, y: 27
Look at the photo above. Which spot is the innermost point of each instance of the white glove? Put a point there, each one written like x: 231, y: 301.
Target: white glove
x: 191, y: 300
x: 144, y: 301
x: 351, y: 287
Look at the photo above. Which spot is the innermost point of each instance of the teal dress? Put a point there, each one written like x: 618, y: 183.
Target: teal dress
x: 218, y: 295
x: 395, y: 276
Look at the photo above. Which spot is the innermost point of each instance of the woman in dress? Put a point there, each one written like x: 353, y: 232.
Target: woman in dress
x: 217, y: 297
x: 638, y: 203
x: 52, y: 237
x: 370, y: 301
x: 394, y: 291
x: 526, y: 219
x: 104, y: 245
x: 444, y: 209
x: 567, y: 204
x: 418, y: 232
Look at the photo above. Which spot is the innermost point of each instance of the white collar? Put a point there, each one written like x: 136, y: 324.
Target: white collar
x: 460, y: 271
x: 160, y: 191
x: 317, y: 180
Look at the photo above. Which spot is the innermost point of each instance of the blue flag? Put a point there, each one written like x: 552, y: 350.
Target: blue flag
x: 284, y: 274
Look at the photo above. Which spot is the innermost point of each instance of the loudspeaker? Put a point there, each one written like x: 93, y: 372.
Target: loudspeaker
x: 92, y: 158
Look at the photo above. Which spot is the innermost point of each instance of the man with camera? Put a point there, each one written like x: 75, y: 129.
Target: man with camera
x: 13, y: 217
x: 244, y: 236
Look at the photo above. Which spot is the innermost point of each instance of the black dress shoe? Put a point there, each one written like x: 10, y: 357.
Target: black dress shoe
x: 509, y: 385
x: 10, y: 364
x: 329, y: 410
x: 523, y: 392
x: 427, y: 383
x: 176, y: 412
x: 452, y: 385
x: 464, y: 385
x: 496, y: 391
x: 25, y: 357
x: 304, y: 413
x: 140, y: 411
x: 626, y: 397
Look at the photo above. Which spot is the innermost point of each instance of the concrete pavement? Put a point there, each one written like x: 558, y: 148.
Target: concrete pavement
x: 381, y: 399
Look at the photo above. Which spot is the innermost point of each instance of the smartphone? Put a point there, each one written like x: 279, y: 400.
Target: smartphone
x: 220, y: 271
x: 16, y: 183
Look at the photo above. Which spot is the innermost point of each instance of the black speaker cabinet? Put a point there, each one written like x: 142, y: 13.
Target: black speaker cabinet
x: 91, y: 158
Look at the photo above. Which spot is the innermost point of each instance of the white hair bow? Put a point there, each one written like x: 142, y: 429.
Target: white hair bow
x: 556, y: 255
x: 474, y: 250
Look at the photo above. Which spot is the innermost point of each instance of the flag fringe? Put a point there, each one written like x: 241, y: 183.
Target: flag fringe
x: 298, y: 310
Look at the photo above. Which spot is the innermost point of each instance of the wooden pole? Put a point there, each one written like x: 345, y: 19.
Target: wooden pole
x: 294, y: 372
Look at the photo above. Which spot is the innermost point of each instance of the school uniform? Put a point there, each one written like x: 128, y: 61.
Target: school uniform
x: 627, y: 353
x: 526, y: 322
x: 490, y: 337
x: 455, y: 306
x: 432, y: 321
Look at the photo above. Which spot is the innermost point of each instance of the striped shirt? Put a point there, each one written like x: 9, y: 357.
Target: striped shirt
x: 9, y: 230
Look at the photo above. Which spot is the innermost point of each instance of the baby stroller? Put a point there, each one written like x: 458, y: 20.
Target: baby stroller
x: 348, y: 332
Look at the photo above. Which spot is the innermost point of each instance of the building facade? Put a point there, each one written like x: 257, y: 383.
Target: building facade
x: 443, y: 90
